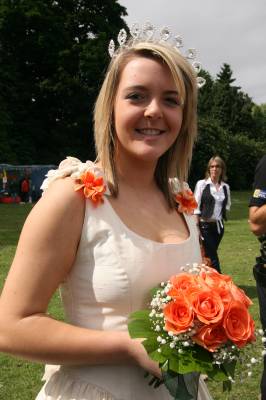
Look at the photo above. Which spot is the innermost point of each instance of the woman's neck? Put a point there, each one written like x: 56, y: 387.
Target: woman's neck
x: 136, y: 174
x: 215, y: 182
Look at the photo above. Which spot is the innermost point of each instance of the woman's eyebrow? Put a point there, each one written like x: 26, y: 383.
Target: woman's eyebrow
x: 135, y: 87
x: 142, y: 87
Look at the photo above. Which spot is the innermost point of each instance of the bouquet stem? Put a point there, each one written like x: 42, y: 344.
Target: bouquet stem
x: 182, y: 387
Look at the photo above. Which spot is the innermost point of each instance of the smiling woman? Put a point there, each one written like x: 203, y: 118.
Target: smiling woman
x: 108, y: 231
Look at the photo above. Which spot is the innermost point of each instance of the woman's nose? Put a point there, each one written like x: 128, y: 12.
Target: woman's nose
x: 153, y: 109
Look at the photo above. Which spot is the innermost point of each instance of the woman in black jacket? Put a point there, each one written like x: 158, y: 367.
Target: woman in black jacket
x: 213, y: 198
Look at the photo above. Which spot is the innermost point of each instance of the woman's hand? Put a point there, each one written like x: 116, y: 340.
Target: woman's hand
x: 145, y: 361
x: 138, y: 355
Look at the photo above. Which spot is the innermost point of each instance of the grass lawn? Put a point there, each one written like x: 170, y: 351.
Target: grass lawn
x: 20, y: 380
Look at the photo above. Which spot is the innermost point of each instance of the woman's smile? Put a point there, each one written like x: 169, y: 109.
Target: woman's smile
x: 149, y: 131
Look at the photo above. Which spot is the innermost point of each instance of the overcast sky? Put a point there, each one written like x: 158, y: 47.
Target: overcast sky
x: 222, y: 31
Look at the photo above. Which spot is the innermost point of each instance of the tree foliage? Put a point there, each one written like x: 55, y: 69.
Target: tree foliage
x: 230, y: 125
x: 53, y: 54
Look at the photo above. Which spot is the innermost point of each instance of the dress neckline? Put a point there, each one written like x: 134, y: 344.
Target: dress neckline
x: 143, y: 238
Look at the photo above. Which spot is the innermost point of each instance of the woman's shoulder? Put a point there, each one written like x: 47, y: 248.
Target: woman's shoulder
x: 226, y: 185
x: 202, y: 182
x: 61, y: 201
x: 76, y: 176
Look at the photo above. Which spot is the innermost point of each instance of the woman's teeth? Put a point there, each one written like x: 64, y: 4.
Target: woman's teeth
x: 149, y: 132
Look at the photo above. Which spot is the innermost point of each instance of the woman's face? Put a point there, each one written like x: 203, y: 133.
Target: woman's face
x: 215, y: 171
x: 147, y: 110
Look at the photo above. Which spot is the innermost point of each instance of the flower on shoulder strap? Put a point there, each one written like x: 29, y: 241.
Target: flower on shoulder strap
x: 186, y: 201
x: 183, y: 196
x: 93, y: 187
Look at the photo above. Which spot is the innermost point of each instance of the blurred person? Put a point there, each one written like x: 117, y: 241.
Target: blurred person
x: 257, y: 222
x: 25, y: 189
x: 213, y: 197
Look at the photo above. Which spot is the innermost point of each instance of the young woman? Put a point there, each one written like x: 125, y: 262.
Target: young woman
x: 213, y: 197
x: 107, y: 232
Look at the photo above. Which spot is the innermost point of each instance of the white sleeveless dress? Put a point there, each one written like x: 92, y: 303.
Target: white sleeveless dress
x: 113, y: 273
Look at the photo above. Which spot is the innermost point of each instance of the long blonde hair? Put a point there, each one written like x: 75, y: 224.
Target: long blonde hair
x: 176, y: 160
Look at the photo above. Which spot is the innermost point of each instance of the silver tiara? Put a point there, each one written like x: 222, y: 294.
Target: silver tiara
x: 148, y: 33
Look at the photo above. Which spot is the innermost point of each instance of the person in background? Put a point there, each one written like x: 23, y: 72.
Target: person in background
x: 213, y: 197
x: 25, y: 189
x: 257, y: 222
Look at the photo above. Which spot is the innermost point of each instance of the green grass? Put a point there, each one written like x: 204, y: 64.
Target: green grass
x: 20, y: 380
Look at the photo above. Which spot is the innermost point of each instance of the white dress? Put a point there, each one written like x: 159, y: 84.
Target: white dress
x: 113, y: 273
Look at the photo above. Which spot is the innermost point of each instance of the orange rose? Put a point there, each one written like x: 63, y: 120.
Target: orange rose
x: 186, y: 201
x: 239, y: 295
x: 213, y: 279
x: 207, y: 305
x: 181, y: 282
x: 210, y: 336
x: 178, y: 315
x: 238, y: 324
x: 225, y: 295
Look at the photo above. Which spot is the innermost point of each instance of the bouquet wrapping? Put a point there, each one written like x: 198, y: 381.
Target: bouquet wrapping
x: 197, y: 323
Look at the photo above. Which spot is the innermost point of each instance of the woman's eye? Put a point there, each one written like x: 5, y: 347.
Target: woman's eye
x: 135, y: 96
x: 173, y: 101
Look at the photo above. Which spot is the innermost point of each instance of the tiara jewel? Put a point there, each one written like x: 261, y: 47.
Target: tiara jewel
x: 200, y: 81
x: 111, y: 48
x: 197, y: 66
x: 135, y: 31
x: 149, y: 33
x: 165, y: 34
x: 122, y: 37
x: 178, y: 41
x: 191, y: 54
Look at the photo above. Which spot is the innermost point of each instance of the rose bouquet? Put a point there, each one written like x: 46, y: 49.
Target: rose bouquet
x: 197, y: 323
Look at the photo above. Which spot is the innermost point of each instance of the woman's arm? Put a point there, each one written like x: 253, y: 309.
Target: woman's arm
x: 45, y: 253
x: 198, y: 193
x: 228, y: 204
x: 257, y: 219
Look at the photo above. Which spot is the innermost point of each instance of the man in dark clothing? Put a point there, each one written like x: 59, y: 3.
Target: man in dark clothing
x: 257, y: 221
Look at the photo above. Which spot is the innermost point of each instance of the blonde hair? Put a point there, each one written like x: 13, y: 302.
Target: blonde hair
x: 176, y: 160
x: 221, y: 163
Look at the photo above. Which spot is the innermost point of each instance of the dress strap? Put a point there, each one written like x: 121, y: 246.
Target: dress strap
x: 87, y: 176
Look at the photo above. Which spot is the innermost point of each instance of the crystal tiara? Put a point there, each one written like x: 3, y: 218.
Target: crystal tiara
x: 149, y: 34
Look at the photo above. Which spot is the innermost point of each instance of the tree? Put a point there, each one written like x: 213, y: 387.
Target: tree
x: 53, y: 54
x: 259, y: 116
x: 245, y: 154
x: 205, y: 95
x: 212, y: 140
x: 231, y: 107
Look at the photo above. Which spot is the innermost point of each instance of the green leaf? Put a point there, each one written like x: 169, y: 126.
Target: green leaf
x: 141, y: 314
x: 140, y: 328
x: 154, y: 290
x: 230, y: 368
x: 150, y: 344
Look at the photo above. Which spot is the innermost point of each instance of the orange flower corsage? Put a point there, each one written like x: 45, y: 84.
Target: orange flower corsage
x: 186, y: 201
x: 183, y: 196
x: 93, y: 187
